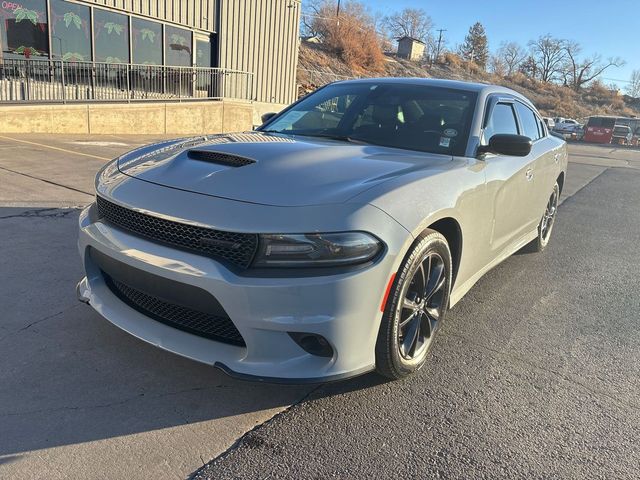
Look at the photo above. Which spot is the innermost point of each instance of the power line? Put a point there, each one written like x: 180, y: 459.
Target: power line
x: 616, y: 80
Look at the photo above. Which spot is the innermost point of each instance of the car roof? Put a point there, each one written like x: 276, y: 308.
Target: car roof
x: 480, y: 88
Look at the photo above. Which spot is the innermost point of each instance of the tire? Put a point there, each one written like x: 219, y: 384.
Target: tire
x: 414, y: 309
x: 546, y: 223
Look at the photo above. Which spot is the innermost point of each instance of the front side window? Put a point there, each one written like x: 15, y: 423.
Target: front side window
x: 112, y: 36
x: 70, y: 31
x: 529, y: 121
x: 502, y: 121
x: 408, y: 116
x: 24, y: 29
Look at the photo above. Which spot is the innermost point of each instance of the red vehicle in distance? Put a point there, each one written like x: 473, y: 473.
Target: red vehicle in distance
x: 599, y: 129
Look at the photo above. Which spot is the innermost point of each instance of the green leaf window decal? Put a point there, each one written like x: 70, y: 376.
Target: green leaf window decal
x: 25, y: 14
x: 113, y: 27
x: 148, y: 35
x: 70, y: 18
x: 178, y: 39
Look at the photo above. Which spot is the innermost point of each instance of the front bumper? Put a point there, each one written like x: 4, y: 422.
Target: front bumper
x: 344, y: 308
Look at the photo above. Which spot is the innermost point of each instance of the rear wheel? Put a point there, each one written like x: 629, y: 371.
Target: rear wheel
x: 546, y: 223
x: 415, y: 308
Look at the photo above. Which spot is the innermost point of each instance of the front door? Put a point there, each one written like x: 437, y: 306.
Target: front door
x: 509, y: 183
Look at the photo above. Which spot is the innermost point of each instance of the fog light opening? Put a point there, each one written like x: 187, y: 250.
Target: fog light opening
x: 312, y: 343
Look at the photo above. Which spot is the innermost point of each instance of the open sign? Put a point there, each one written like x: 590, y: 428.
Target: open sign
x: 11, y: 6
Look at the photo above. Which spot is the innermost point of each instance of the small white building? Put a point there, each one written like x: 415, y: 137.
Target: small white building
x: 410, y: 48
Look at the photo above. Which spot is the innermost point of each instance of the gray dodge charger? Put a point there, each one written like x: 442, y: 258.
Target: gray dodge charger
x: 332, y: 240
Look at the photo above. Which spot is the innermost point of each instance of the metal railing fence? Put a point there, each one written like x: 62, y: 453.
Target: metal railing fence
x: 56, y: 81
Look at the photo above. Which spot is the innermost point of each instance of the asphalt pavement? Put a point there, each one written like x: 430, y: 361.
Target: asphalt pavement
x: 535, y: 373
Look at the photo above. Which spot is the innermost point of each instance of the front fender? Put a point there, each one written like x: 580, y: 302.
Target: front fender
x: 422, y: 198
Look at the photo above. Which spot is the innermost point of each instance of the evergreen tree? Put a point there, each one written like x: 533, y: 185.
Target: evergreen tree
x: 476, y: 46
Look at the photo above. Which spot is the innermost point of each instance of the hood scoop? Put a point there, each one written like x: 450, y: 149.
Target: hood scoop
x: 219, y: 158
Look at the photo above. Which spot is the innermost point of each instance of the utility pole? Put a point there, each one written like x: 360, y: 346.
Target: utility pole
x: 440, y: 31
x: 338, y: 9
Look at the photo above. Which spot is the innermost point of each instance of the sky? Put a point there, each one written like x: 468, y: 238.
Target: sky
x: 608, y: 27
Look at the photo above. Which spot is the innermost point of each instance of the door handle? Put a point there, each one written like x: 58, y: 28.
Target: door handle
x: 529, y: 175
x: 557, y: 156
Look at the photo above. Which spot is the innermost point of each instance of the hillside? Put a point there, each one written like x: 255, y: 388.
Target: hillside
x: 317, y: 67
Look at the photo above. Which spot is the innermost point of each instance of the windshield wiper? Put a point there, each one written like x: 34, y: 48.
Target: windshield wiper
x: 342, y: 138
x: 331, y: 136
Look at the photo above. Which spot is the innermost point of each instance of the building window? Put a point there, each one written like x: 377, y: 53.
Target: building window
x: 23, y: 29
x: 203, y: 53
x: 70, y: 31
x: 177, y: 46
x: 111, y: 32
x: 147, y: 42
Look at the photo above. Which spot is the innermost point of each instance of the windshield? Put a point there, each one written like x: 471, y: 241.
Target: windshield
x: 414, y: 117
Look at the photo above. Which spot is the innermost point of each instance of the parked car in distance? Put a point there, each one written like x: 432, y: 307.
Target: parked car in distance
x: 567, y: 125
x: 332, y: 240
x: 622, y: 135
x: 549, y: 122
x: 599, y: 129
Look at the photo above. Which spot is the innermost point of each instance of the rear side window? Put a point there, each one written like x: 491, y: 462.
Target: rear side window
x: 543, y: 130
x: 529, y: 121
x: 603, y: 122
x: 503, y: 120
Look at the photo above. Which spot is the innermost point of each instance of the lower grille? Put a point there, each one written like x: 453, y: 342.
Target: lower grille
x: 199, y: 323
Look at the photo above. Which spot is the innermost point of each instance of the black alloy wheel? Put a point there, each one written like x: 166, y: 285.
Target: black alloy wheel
x: 416, y: 306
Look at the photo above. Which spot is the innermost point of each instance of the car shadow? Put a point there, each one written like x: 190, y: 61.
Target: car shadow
x: 68, y: 376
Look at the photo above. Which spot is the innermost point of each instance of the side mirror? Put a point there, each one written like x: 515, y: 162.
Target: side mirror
x: 506, y: 144
x: 267, y: 116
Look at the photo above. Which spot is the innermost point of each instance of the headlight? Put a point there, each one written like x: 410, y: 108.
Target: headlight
x: 316, y: 249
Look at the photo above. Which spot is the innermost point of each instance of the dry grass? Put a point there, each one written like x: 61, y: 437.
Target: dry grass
x: 551, y: 100
x: 352, y: 38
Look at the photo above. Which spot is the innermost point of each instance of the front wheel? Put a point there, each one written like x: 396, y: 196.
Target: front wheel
x: 415, y: 307
x: 546, y: 223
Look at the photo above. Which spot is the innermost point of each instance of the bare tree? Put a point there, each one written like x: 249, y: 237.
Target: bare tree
x: 497, y: 66
x: 550, y: 57
x: 308, y: 18
x: 581, y: 71
x: 633, y: 89
x: 511, y: 56
x: 410, y: 22
x: 349, y: 32
x: 529, y: 67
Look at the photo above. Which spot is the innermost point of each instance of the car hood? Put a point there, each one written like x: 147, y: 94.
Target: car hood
x: 273, y: 169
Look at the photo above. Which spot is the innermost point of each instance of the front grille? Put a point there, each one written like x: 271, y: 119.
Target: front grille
x: 219, y: 158
x: 235, y: 248
x: 203, y: 324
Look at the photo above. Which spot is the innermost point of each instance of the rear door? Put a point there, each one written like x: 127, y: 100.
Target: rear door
x: 509, y: 181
